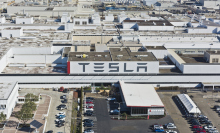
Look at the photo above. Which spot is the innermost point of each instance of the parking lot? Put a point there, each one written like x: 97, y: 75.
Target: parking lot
x: 206, y: 106
x: 56, y: 101
x: 104, y: 124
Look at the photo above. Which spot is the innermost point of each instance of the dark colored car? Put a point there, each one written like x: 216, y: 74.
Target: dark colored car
x: 51, y: 131
x: 90, y: 98
x: 65, y: 90
x: 88, y: 124
x: 65, y: 101
x: 87, y: 120
x: 88, y: 114
x: 60, y: 125
x: 60, y: 122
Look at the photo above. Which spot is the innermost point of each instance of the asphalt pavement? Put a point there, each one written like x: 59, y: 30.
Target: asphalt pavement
x: 106, y: 125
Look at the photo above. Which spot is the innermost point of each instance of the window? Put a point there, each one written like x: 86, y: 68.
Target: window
x: 77, y: 23
x: 84, y: 23
x: 21, y: 100
x: 215, y: 60
x: 2, y: 106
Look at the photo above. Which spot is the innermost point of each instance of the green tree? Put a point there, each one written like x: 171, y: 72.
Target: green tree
x: 27, y: 109
x: 31, y: 97
x: 2, y: 117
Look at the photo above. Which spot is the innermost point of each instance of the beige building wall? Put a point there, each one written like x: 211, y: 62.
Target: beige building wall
x: 214, y: 56
x: 80, y: 49
x: 94, y: 39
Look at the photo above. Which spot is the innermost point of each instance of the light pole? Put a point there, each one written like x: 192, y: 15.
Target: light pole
x: 119, y: 108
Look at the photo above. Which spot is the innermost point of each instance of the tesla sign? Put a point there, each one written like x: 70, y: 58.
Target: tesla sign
x: 113, y: 67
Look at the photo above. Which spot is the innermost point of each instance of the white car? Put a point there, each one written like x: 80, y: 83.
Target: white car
x: 91, y: 109
x: 213, y: 131
x: 158, y: 126
x: 171, y: 131
x: 57, y: 120
x: 89, y: 105
x: 88, y: 131
x: 202, y: 116
x: 208, y: 127
x: 61, y: 113
x: 170, y: 126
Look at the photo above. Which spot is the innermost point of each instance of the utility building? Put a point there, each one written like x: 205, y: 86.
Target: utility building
x: 141, y: 99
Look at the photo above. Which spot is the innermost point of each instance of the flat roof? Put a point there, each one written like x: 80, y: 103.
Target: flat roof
x: 193, y: 58
x: 5, y: 89
x: 214, y: 52
x: 90, y: 56
x: 140, y: 95
x: 155, y: 47
x: 125, y: 54
x: 155, y: 23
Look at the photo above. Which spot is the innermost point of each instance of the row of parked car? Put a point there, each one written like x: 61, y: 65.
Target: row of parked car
x: 89, y: 109
x: 60, y: 117
x: 201, y: 124
x: 160, y: 128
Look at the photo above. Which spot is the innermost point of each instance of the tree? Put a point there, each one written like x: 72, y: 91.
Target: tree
x: 27, y: 109
x: 2, y: 117
x: 31, y: 97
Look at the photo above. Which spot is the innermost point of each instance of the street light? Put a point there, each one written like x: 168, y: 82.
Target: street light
x: 119, y: 103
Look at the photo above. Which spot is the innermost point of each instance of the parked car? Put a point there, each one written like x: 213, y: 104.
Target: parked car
x: 87, y: 120
x: 171, y: 131
x: 217, y: 107
x: 88, y: 114
x: 170, y: 126
x: 196, y: 128
x: 65, y: 101
x: 212, y: 131
x: 89, y: 104
x: 115, y: 112
x: 58, y: 120
x: 61, y: 116
x: 62, y: 107
x: 91, y: 98
x: 88, y: 130
x: 111, y: 99
x: 60, y: 113
x: 209, y: 127
x: 201, y: 131
x: 158, y: 130
x: 158, y: 127
x: 60, y: 125
x: 91, y: 109
x: 202, y: 116
x: 50, y: 131
x: 88, y: 124
x: 65, y: 90
x: 64, y: 96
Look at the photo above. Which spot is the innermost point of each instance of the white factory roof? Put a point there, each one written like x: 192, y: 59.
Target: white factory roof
x: 140, y: 95
x: 5, y: 89
x: 188, y: 103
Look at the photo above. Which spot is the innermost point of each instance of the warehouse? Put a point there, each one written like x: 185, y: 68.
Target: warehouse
x: 141, y: 99
x: 8, y: 97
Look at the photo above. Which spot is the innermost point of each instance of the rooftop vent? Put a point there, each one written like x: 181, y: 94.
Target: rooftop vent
x: 98, y: 55
x: 164, y: 24
x: 141, y: 55
x: 119, y: 55
x: 154, y: 23
x: 216, y: 51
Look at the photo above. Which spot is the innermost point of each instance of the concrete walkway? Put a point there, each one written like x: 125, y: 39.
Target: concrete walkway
x: 42, y: 109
